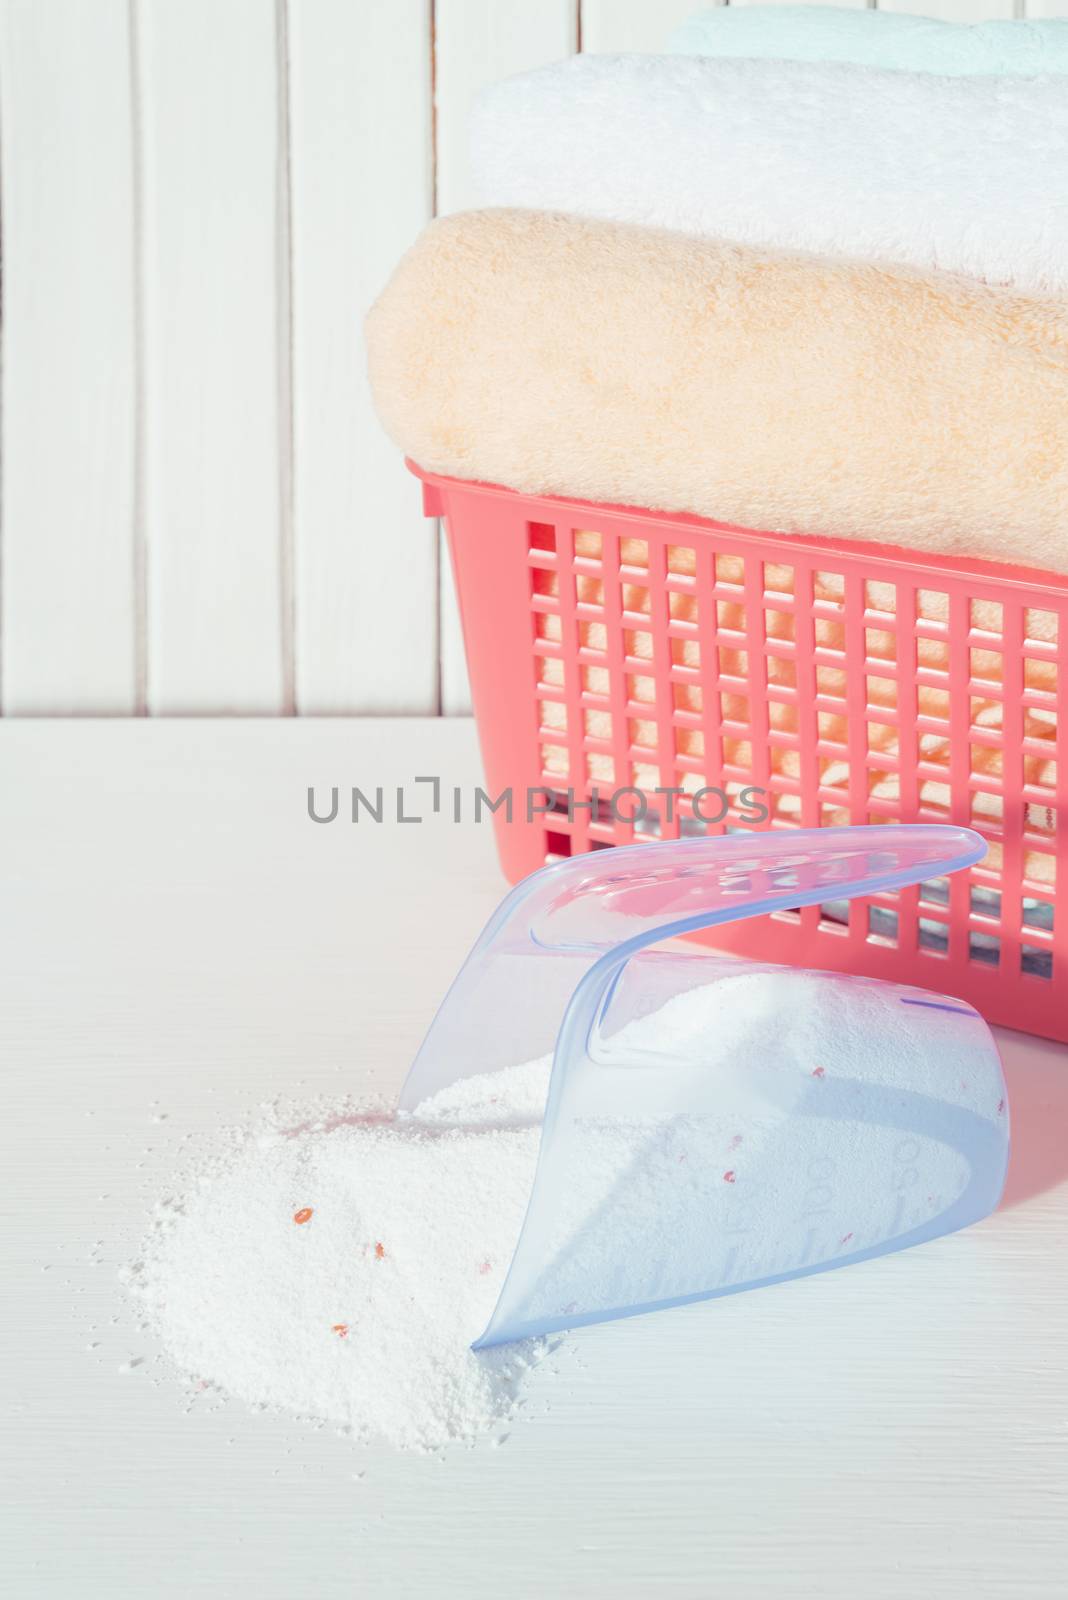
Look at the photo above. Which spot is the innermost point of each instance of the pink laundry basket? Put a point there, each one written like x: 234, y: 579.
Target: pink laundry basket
x: 640, y: 674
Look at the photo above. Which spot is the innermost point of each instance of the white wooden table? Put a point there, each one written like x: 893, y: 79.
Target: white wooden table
x: 179, y: 940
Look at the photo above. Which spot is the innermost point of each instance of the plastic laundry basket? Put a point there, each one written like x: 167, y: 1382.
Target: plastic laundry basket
x: 639, y: 674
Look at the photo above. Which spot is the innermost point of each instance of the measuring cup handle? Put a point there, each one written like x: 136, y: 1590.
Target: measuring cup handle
x: 655, y: 891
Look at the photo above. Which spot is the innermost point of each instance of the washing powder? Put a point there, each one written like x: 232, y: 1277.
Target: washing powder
x: 340, y: 1269
x: 340, y: 1266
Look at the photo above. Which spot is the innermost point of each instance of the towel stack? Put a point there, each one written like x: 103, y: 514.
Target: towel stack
x: 809, y: 295
x: 803, y: 296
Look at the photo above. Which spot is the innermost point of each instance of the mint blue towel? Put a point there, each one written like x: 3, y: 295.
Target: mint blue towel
x: 876, y: 39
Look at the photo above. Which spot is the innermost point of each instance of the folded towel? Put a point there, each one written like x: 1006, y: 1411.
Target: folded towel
x: 966, y: 174
x: 561, y: 355
x: 875, y: 39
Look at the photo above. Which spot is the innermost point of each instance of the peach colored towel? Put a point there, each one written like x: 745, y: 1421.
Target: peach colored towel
x: 561, y: 355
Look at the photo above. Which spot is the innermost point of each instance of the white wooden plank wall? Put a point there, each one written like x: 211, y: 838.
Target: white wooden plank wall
x: 199, y: 199
x: 68, y: 572
x: 215, y: 328
x: 362, y: 176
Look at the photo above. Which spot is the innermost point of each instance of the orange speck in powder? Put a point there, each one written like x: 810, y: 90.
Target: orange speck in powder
x: 303, y: 1215
x: 380, y: 1250
x: 341, y: 1329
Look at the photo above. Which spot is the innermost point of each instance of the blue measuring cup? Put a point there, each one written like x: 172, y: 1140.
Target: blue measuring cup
x: 714, y: 1125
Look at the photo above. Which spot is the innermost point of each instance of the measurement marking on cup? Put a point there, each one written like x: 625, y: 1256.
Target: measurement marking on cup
x: 896, y: 1219
x: 819, y: 1195
x: 936, y: 1005
x: 822, y: 1232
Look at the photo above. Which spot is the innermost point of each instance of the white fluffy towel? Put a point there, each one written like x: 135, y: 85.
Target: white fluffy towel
x: 966, y: 174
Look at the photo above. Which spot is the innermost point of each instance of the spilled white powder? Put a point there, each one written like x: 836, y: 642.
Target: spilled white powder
x: 341, y: 1267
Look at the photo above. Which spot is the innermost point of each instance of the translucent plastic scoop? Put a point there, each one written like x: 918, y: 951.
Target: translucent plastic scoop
x: 711, y: 1124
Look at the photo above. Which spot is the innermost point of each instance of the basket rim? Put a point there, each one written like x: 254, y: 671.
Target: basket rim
x: 853, y: 551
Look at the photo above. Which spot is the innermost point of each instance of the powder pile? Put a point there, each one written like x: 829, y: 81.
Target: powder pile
x: 339, y: 1269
